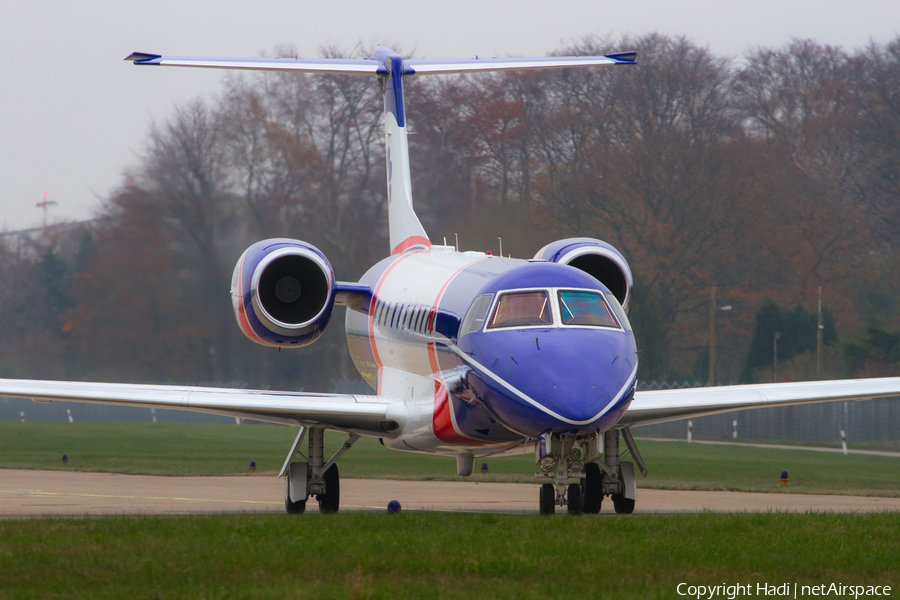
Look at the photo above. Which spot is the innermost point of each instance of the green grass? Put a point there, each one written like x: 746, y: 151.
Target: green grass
x: 207, y: 449
x: 433, y: 555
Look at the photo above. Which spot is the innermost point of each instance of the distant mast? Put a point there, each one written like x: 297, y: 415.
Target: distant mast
x: 46, y: 204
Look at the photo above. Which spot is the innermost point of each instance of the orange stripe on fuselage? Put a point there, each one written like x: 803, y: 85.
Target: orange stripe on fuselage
x: 378, y: 285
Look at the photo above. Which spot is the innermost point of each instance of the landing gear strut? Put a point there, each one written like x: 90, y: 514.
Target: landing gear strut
x: 315, y: 477
x: 596, y: 462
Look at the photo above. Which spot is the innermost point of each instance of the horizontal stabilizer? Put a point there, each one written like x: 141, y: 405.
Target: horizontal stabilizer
x: 623, y: 58
x: 140, y: 56
x: 341, y: 66
x: 423, y: 66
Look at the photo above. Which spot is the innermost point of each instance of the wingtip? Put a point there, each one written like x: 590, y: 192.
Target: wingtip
x: 142, y: 57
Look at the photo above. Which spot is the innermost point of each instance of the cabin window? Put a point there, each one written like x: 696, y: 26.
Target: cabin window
x: 586, y: 309
x: 477, y: 314
x: 522, y: 309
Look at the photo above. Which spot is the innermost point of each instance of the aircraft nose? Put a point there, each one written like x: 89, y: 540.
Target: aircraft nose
x: 584, y: 389
x: 559, y: 380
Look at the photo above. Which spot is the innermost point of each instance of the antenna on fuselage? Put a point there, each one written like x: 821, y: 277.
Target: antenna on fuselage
x: 456, y: 235
x: 501, y: 246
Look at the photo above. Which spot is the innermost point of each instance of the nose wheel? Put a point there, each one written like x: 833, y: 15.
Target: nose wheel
x: 548, y: 499
x: 596, y: 463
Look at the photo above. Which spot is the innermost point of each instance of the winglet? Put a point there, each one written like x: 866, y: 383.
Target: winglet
x: 140, y: 57
x: 623, y: 58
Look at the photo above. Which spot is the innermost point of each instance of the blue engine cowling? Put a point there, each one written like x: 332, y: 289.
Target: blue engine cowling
x: 596, y: 258
x: 282, y: 291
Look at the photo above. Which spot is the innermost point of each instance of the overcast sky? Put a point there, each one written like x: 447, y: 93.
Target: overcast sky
x: 75, y: 115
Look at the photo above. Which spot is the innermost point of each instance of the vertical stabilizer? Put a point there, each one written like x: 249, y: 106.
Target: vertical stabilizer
x: 405, y: 229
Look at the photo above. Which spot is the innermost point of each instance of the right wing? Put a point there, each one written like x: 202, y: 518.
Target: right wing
x: 660, y: 406
x: 365, y: 415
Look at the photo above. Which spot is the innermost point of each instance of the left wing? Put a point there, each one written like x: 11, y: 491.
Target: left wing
x: 659, y: 406
x: 365, y: 415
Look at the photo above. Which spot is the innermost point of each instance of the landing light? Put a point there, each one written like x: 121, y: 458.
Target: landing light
x: 548, y: 463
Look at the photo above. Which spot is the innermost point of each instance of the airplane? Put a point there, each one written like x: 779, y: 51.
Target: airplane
x: 470, y: 355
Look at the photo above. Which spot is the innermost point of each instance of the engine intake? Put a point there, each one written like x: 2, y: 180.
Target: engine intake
x: 283, y: 292
x: 596, y: 258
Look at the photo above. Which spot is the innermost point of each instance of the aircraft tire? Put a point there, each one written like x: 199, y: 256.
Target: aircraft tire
x: 592, y: 489
x: 574, y: 499
x: 330, y: 501
x: 623, y: 505
x: 548, y: 499
x: 293, y: 508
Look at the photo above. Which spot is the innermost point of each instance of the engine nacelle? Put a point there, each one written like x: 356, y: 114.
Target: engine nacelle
x: 282, y: 291
x: 596, y: 258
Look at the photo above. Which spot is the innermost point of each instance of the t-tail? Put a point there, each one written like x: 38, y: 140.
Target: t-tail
x: 406, y: 231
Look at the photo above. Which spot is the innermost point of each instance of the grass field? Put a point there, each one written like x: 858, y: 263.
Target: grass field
x: 432, y: 555
x: 209, y: 449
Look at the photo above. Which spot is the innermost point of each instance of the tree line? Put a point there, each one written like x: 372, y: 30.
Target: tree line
x: 767, y: 176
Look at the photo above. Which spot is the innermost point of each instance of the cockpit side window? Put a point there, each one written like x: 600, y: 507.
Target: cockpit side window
x: 620, y: 312
x: 586, y: 309
x: 519, y: 309
x: 477, y: 314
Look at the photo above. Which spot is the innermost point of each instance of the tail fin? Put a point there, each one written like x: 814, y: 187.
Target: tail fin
x: 390, y: 68
x: 405, y: 229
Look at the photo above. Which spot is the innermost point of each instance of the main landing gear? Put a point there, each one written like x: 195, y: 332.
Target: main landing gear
x: 315, y: 477
x: 596, y: 463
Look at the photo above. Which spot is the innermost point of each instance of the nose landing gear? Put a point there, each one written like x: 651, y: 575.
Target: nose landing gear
x: 596, y: 462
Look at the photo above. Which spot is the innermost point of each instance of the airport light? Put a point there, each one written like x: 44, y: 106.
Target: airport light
x: 775, y: 339
x: 712, y: 334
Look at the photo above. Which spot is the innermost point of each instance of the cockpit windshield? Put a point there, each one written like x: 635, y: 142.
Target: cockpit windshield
x: 585, y: 309
x: 522, y: 309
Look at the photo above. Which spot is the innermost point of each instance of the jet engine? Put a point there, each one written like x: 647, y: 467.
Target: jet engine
x: 596, y: 258
x: 282, y: 291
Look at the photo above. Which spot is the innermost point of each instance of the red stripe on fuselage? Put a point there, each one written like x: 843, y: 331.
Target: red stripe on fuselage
x: 411, y: 241
x: 442, y: 420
